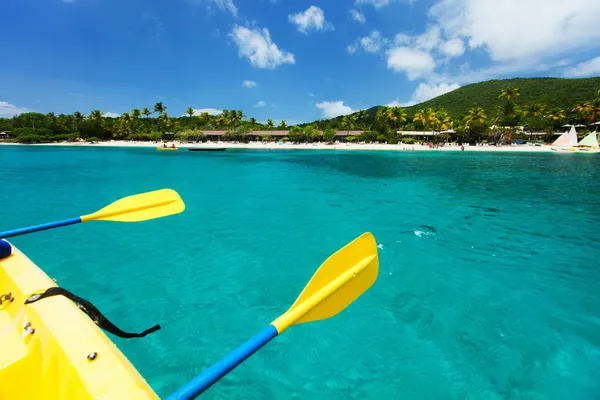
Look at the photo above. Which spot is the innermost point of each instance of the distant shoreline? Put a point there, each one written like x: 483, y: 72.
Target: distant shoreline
x: 305, y: 146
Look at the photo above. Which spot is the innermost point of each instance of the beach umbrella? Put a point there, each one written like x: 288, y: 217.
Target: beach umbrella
x: 340, y: 280
x: 136, y: 208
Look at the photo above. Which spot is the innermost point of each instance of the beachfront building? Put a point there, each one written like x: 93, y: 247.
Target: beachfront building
x: 422, y: 135
x: 5, y: 135
x: 275, y: 135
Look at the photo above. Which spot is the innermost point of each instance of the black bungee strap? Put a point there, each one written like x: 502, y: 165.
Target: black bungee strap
x: 91, y: 312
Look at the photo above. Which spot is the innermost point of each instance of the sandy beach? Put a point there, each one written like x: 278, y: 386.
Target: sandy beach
x: 304, y: 146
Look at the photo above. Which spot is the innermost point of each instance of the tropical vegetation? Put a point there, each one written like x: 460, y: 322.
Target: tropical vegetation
x: 513, y: 109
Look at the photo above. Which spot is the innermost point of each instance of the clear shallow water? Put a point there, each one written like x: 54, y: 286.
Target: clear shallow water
x: 489, y: 284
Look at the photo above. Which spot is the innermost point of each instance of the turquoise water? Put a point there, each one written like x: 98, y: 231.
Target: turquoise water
x: 489, y: 283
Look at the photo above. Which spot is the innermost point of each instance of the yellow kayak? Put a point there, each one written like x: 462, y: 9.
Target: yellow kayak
x: 167, y: 148
x: 50, y: 349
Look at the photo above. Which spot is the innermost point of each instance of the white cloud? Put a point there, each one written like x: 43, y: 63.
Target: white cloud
x: 453, y: 47
x: 586, y: 68
x: 260, y: 104
x: 111, y: 115
x: 415, y: 63
x: 331, y: 109
x: 357, y: 16
x: 567, y: 25
x: 311, y: 18
x: 256, y: 45
x: 209, y: 111
x: 374, y: 3
x: 428, y: 40
x: 398, y: 103
x: 425, y: 91
x: 370, y: 44
x: 223, y: 5
x: 9, y: 110
x: 311, y: 94
x: 402, y: 39
x: 249, y: 84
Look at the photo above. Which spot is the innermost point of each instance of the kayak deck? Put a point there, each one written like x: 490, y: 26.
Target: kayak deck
x: 47, y: 347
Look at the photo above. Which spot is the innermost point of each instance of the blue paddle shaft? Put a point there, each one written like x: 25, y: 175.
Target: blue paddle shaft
x: 41, y: 227
x: 224, y: 366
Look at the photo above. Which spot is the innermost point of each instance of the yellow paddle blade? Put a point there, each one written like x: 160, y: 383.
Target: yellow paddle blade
x: 340, y: 280
x: 140, y: 207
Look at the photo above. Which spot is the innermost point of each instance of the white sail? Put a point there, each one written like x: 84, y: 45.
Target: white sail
x: 572, y: 136
x: 563, y: 140
x: 590, y: 140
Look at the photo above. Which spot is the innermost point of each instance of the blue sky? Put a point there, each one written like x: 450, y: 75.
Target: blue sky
x: 283, y: 59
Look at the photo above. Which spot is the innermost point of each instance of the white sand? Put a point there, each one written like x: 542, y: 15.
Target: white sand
x: 306, y: 146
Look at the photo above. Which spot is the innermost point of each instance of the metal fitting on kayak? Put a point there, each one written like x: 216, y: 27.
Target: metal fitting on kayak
x: 8, y: 297
x: 92, y: 356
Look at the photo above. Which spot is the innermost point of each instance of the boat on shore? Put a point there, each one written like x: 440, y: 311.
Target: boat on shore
x: 50, y: 349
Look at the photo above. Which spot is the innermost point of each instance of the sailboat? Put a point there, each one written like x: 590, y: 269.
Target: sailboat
x: 566, y: 142
x: 589, y: 143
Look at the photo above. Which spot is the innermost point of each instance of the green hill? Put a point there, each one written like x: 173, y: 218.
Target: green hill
x: 551, y: 92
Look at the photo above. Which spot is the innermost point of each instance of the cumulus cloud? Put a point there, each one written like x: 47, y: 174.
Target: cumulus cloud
x: 256, y: 45
x: 260, y: 103
x: 313, y: 18
x: 453, y: 48
x: 249, y: 84
x: 331, y: 109
x: 209, y: 111
x: 428, y: 40
x: 414, y: 63
x: 111, y: 115
x: 425, y: 92
x: 370, y: 44
x: 586, y: 68
x: 357, y: 16
x: 567, y: 25
x: 10, y: 110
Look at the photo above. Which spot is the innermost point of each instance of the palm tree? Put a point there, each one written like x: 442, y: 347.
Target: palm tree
x: 421, y: 118
x: 252, y: 122
x: 96, y: 115
x: 361, y: 119
x: 348, y: 122
x: 190, y: 111
x: 397, y: 116
x: 135, y: 113
x: 146, y: 112
x: 283, y: 125
x: 270, y: 124
x: 443, y: 120
x: 475, y: 114
x: 159, y: 108
x: 534, y: 111
x: 556, y: 115
x: 223, y: 118
x: 236, y: 117
x: 593, y: 109
x: 432, y: 120
x: 204, y: 118
x: 510, y: 93
x: 78, y: 118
